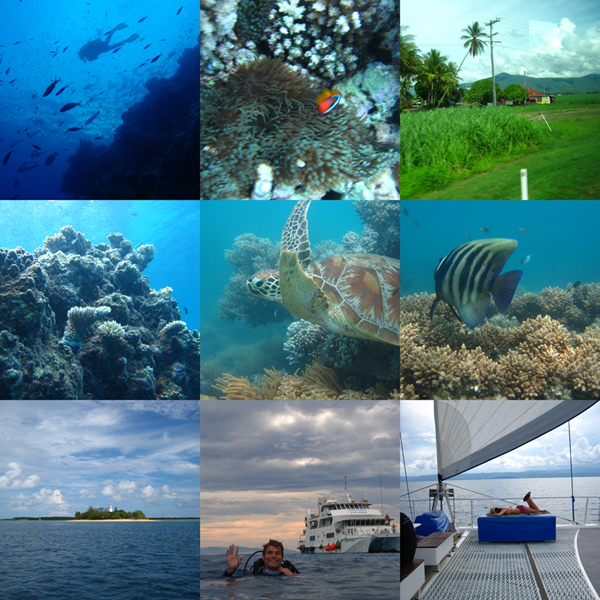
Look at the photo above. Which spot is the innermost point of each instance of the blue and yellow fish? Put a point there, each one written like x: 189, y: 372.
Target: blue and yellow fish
x: 468, y: 277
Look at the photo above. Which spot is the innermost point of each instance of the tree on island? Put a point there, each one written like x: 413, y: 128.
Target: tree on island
x: 95, y: 514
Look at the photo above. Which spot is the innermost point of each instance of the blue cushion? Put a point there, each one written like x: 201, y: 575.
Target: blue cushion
x: 518, y: 528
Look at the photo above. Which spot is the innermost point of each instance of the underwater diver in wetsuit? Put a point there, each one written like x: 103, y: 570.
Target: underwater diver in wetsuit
x: 271, y: 564
x: 93, y: 49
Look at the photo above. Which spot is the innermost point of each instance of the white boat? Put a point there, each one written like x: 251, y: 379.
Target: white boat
x: 470, y: 433
x: 347, y: 526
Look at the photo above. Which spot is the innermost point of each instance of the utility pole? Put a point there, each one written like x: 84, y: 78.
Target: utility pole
x: 492, y: 52
x: 525, y: 88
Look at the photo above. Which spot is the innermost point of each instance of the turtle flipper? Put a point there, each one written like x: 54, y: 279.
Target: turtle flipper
x: 295, y: 234
x: 299, y: 292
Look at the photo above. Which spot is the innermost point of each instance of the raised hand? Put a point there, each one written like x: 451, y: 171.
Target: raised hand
x: 233, y: 562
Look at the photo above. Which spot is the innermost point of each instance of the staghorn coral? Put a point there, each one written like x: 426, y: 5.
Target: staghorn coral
x: 111, y: 330
x: 538, y: 359
x: 266, y: 113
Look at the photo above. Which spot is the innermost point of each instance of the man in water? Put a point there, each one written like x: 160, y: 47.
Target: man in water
x: 272, y: 560
x: 93, y: 49
x: 498, y: 511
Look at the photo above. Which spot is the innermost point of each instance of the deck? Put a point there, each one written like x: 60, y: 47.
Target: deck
x: 521, y: 571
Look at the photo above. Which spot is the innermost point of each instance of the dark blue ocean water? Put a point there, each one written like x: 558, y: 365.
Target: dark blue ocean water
x: 562, y: 240
x: 44, y: 560
x: 323, y: 577
x: 172, y: 227
x: 40, y: 43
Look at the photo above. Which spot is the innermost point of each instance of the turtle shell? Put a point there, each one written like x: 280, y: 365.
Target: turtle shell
x: 366, y: 287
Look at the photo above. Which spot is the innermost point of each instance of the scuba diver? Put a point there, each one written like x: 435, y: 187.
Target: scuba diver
x: 271, y: 564
x: 93, y: 49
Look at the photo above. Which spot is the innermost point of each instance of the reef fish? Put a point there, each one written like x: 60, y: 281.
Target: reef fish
x: 526, y: 259
x: 51, y: 157
x: 69, y: 106
x: 143, y: 19
x: 524, y: 231
x: 404, y: 211
x: 36, y: 147
x: 156, y: 58
x: 327, y: 100
x: 7, y: 156
x: 27, y: 166
x: 92, y: 118
x: 50, y: 88
x: 469, y: 276
x: 73, y: 129
x: 416, y: 223
x: 186, y: 310
x: 62, y: 90
x: 486, y: 231
x: 177, y: 13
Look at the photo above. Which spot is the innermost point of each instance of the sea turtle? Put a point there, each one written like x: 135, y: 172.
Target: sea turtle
x: 353, y: 294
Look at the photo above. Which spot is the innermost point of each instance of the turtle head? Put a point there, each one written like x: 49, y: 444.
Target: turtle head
x: 265, y: 284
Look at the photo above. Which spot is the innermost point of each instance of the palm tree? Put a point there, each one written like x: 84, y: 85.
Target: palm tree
x: 434, y: 74
x: 474, y: 43
x: 410, y: 61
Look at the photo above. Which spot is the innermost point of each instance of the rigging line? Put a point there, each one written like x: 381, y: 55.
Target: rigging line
x: 414, y: 491
x: 406, y: 477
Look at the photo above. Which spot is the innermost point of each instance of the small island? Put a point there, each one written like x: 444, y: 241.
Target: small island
x: 102, y: 514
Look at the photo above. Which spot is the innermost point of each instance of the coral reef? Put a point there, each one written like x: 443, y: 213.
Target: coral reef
x: 265, y: 113
x: 328, y: 37
x: 79, y: 319
x: 316, y: 383
x: 144, y: 352
x: 304, y: 341
x: 155, y: 153
x: 541, y: 357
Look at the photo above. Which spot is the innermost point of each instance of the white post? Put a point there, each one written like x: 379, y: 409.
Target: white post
x: 524, y: 192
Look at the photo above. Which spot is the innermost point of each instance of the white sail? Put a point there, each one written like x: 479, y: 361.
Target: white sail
x: 472, y: 432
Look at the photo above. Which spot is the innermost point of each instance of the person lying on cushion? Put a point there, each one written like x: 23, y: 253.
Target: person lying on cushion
x: 498, y: 511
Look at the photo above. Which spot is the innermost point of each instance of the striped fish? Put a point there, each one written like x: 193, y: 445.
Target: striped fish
x: 469, y: 276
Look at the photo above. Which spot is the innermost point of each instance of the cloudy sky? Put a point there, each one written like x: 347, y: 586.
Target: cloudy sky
x: 59, y: 457
x: 549, y: 450
x: 546, y: 38
x: 264, y: 463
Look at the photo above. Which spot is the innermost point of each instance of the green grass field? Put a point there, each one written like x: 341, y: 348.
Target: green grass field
x: 561, y: 164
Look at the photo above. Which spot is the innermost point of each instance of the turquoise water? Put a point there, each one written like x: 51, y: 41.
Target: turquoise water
x: 99, y: 561
x: 562, y: 240
x: 172, y: 227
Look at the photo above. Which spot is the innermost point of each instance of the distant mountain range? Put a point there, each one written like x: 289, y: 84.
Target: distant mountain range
x: 582, y: 471
x: 551, y: 85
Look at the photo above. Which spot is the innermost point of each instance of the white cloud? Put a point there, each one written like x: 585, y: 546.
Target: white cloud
x: 12, y: 478
x: 148, y: 493
x: 127, y: 486
x: 85, y: 493
x: 167, y: 493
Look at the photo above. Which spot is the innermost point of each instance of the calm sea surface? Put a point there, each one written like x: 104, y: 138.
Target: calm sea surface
x: 347, y: 576
x: 46, y: 560
x: 509, y: 492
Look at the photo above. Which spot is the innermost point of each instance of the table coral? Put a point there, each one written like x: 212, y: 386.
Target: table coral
x: 539, y: 358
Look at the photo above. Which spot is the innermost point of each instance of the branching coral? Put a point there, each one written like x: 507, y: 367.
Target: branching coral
x: 266, y: 114
x: 538, y: 359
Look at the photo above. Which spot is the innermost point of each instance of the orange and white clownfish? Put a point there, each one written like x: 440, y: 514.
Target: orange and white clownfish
x: 327, y: 100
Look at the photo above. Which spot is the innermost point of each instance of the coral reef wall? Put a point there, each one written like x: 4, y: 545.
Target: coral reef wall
x: 64, y: 292
x: 155, y: 153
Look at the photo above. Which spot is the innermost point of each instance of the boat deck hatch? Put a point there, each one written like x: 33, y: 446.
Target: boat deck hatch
x: 512, y: 571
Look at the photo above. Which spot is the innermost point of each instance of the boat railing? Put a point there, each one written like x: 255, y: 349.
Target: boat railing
x: 592, y: 506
